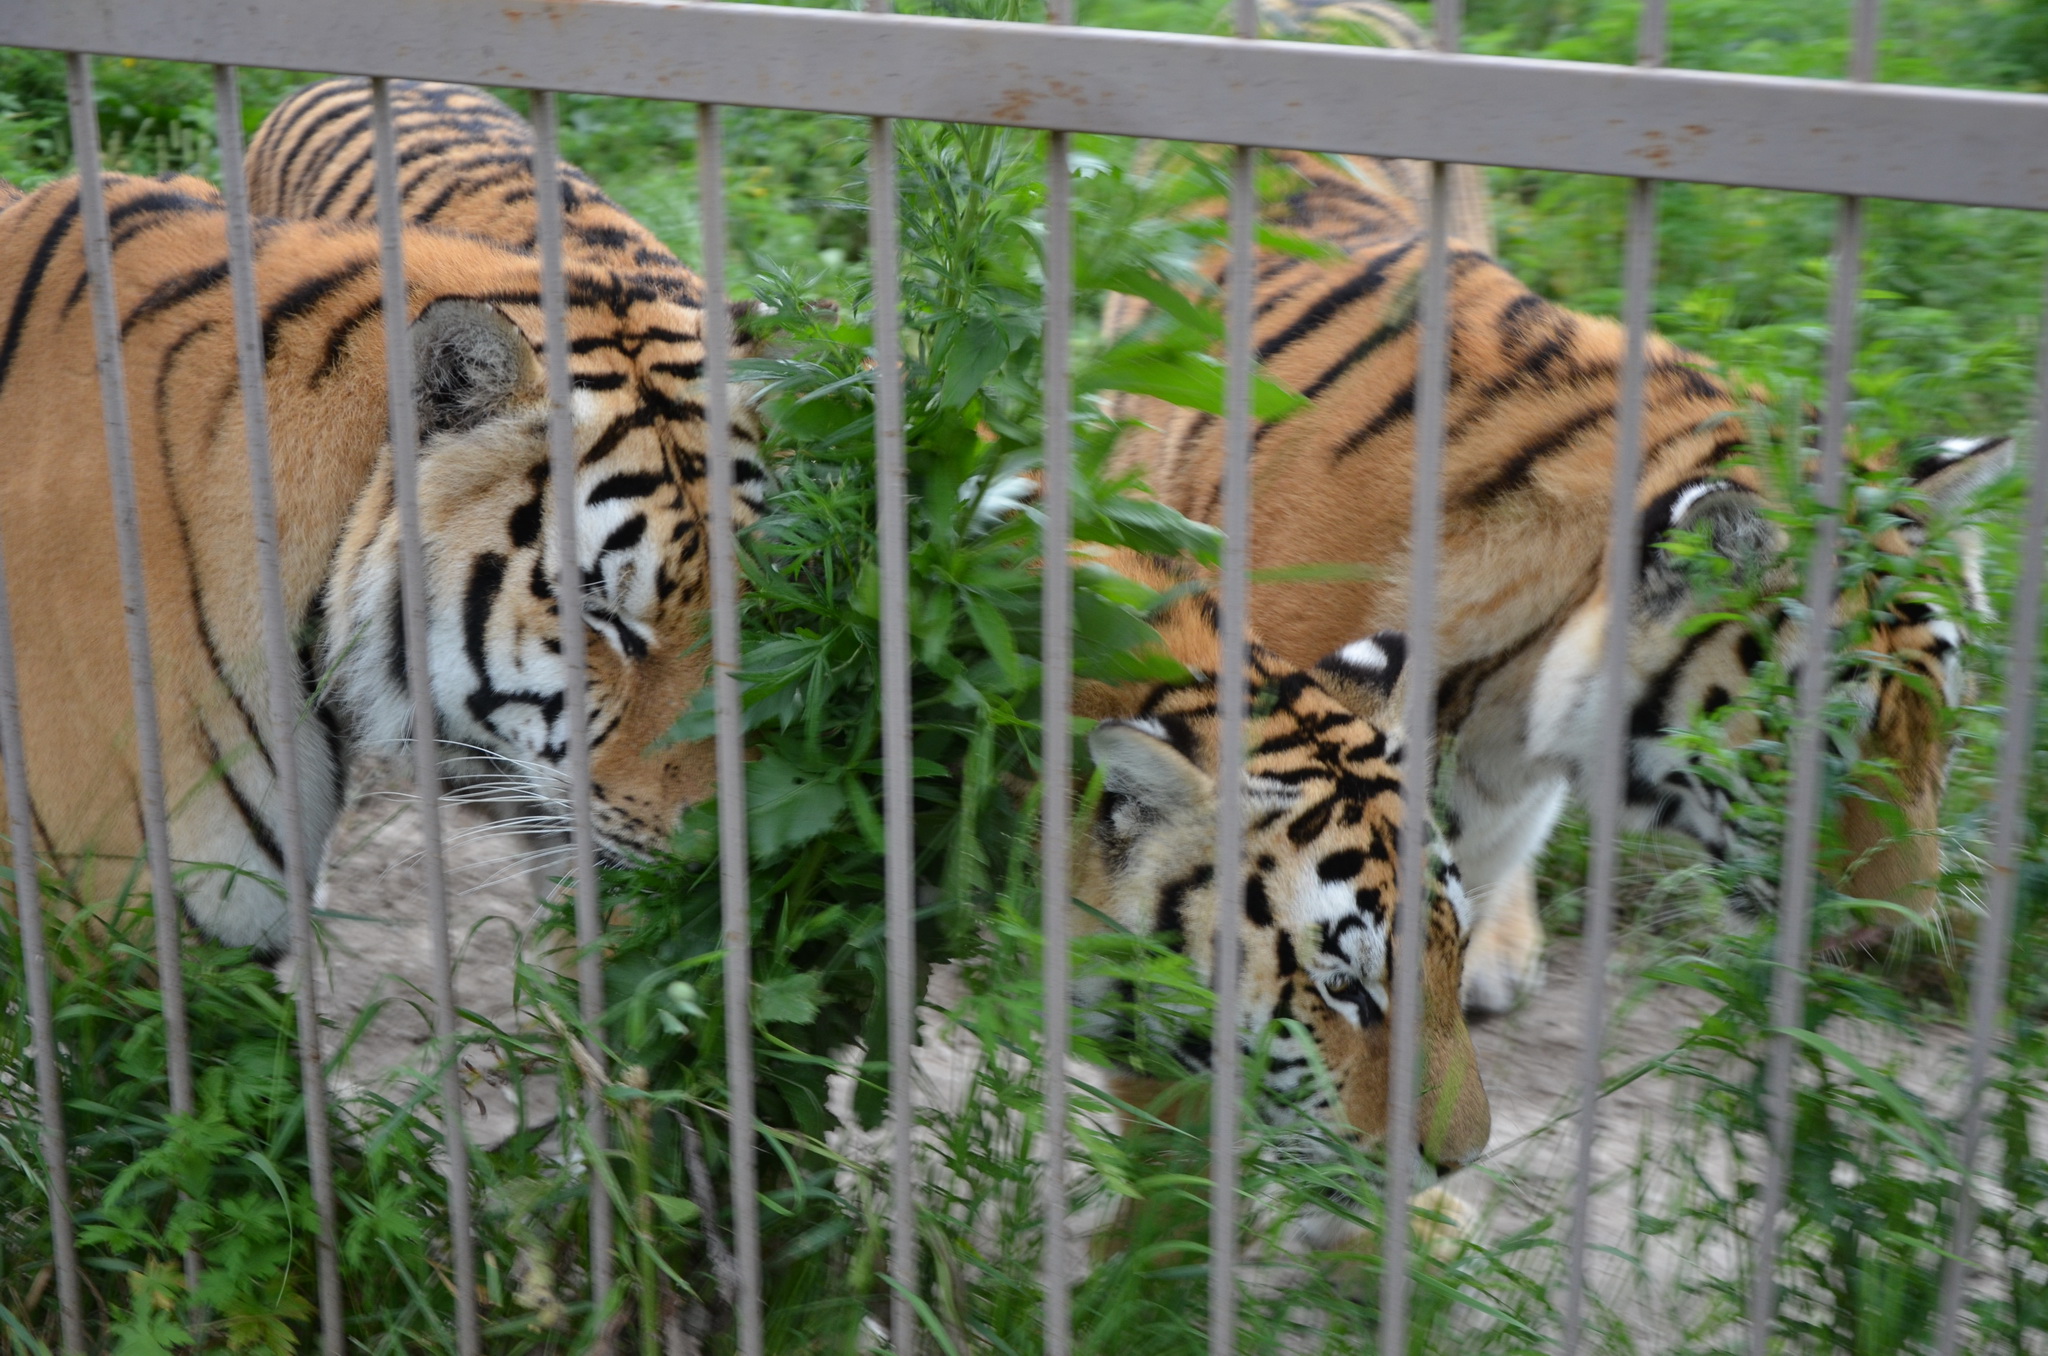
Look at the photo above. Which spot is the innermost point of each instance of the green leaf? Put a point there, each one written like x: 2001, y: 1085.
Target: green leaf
x: 1146, y: 525
x: 675, y: 1209
x: 978, y: 349
x: 995, y: 637
x: 1179, y: 377
x: 787, y: 998
x: 785, y: 807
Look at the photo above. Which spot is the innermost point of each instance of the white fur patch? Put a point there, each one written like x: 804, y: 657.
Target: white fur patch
x: 1691, y: 495
x: 1364, y: 654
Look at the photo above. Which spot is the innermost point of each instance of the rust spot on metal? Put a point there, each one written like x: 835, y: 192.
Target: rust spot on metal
x: 1015, y: 107
x: 1696, y: 130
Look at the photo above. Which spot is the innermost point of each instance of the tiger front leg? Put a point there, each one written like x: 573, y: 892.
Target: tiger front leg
x: 1505, y: 959
x: 1497, y: 836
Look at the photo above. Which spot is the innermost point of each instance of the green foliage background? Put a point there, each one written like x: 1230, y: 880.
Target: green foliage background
x: 1949, y: 330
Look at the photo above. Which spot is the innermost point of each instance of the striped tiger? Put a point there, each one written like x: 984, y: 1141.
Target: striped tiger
x: 486, y: 507
x: 1326, y: 779
x: 465, y: 164
x: 1529, y: 445
x: 1323, y: 812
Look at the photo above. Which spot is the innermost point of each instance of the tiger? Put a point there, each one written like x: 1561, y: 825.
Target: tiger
x: 1528, y: 452
x: 465, y: 164
x: 1326, y: 777
x: 486, y: 507
x: 1322, y: 790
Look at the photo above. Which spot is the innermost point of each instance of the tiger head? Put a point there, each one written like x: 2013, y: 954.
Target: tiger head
x: 1910, y: 670
x: 489, y: 527
x: 1322, y: 791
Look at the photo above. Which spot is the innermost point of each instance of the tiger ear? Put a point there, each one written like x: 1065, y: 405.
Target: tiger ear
x: 1948, y: 476
x: 1729, y: 514
x: 1956, y: 468
x: 1366, y: 677
x: 1138, y: 760
x: 470, y: 363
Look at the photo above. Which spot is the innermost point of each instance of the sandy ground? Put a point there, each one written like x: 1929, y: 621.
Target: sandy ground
x: 377, y: 954
x: 377, y: 950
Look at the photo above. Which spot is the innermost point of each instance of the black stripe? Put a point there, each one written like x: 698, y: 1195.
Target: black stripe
x: 172, y: 291
x: 401, y: 662
x: 31, y: 282
x: 1402, y: 406
x: 303, y: 105
x: 338, y: 337
x: 342, y: 181
x: 615, y: 433
x: 626, y: 535
x: 265, y: 839
x: 1363, y: 283
x: 626, y: 485
x: 521, y: 170
x: 1393, y: 327
x: 1517, y: 473
x: 305, y: 297
x: 354, y: 122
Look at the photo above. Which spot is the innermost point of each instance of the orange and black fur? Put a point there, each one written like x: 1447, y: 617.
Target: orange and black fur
x: 487, y: 508
x: 465, y: 164
x: 1528, y: 455
x: 1320, y: 887
x: 1323, y: 798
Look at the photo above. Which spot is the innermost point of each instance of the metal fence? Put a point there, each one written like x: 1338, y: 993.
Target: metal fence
x: 1647, y: 124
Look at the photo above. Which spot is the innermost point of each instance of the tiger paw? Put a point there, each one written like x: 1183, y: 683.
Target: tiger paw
x: 1504, y: 963
x: 1442, y: 1223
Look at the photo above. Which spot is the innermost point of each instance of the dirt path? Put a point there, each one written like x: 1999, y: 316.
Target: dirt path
x: 378, y: 952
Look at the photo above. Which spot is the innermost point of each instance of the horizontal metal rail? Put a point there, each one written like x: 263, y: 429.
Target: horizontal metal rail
x: 1852, y: 139
x: 1944, y: 145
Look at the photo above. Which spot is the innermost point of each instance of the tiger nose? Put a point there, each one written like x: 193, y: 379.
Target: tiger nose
x: 1445, y: 1163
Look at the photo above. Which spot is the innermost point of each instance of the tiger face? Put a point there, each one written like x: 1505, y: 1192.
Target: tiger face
x: 495, y: 620
x: 1909, y: 671
x: 1322, y: 791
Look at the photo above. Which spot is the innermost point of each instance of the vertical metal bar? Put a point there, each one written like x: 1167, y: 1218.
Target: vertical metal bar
x: 1056, y: 740
x: 547, y: 181
x: 281, y: 663
x: 1809, y: 771
x: 85, y: 135
x: 2009, y: 823
x: 113, y: 395
x: 405, y: 481
x: 1232, y: 697
x: 1639, y: 274
x: 1419, y: 719
x: 28, y: 898
x: 735, y: 900
x: 1418, y: 715
x: 35, y: 969
x: 899, y: 900
x: 1226, y: 1047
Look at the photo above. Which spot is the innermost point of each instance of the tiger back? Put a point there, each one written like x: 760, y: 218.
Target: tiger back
x: 1528, y: 467
x: 465, y: 164
x: 1322, y: 786
x: 488, y: 515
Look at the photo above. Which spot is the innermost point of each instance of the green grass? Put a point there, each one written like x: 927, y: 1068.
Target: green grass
x: 1949, y: 328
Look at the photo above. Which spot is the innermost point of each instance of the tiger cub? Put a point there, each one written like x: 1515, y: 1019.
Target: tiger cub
x: 1322, y: 788
x: 1528, y: 452
x: 486, y: 505
x: 465, y: 163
